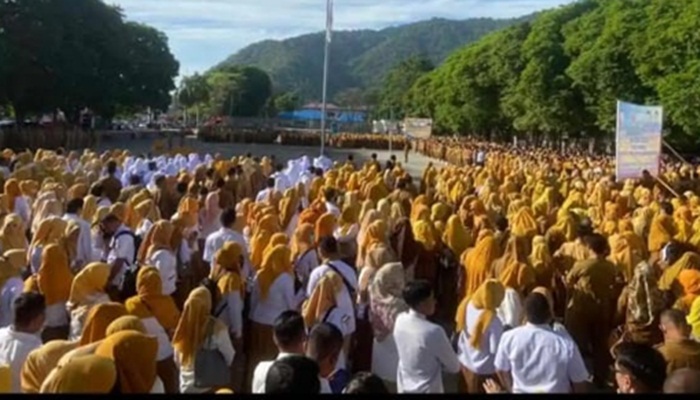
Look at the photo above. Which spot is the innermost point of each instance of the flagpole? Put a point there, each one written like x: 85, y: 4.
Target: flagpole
x: 326, y: 60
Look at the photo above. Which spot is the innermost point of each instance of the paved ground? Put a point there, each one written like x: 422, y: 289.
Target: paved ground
x: 415, y: 167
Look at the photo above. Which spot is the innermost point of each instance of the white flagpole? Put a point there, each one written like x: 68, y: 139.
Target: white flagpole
x: 326, y: 59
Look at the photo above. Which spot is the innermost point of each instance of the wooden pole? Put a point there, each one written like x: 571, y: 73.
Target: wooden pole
x: 675, y: 153
x: 667, y: 186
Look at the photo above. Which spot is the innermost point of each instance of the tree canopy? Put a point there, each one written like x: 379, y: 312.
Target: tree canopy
x: 76, y: 54
x: 563, y: 72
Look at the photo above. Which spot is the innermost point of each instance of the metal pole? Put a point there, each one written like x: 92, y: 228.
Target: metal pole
x: 391, y: 118
x: 326, y: 60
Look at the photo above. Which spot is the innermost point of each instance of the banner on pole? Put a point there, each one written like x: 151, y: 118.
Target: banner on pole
x: 638, y: 140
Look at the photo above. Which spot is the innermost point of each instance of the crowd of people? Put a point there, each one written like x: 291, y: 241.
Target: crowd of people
x: 512, y: 271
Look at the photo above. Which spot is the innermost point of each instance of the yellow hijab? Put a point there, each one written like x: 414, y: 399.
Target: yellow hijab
x: 90, y: 280
x: 456, y: 236
x: 90, y: 374
x: 40, y: 362
x: 488, y: 298
x: 425, y: 234
x: 277, y: 262
x: 226, y: 269
x: 322, y: 299
x: 12, y: 234
x: 54, y: 278
x: 134, y: 355
x: 192, y: 329
x: 98, y: 319
x: 150, y: 300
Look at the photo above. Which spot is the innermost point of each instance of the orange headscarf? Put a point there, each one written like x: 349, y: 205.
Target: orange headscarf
x: 134, y: 355
x: 97, y: 321
x: 150, y: 301
x: 12, y: 191
x: 194, y: 325
x: 302, y: 240
x: 41, y: 361
x: 54, y: 277
x: 322, y: 299
x: 226, y: 269
x: 690, y: 280
x: 477, y: 263
x: 278, y: 261
x: 90, y: 281
x: 325, y: 226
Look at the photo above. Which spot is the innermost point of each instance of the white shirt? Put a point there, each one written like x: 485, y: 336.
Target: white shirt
x: 35, y: 259
x: 280, y: 298
x: 56, y: 315
x: 479, y: 361
x: 230, y: 312
x: 511, y: 309
x: 263, y: 195
x: 121, y: 247
x: 344, y: 301
x: 154, y: 328
x: 14, y: 349
x: 260, y: 373
x: 282, y: 182
x: 9, y: 292
x: 219, y: 341
x: 216, y: 241
x: 84, y: 251
x: 304, y: 265
x: 333, y: 209
x: 104, y: 202
x: 143, y: 228
x: 166, y: 264
x: 540, y: 360
x: 424, y: 352
x: 385, y: 358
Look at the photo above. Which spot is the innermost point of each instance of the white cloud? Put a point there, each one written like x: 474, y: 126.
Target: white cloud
x: 204, y: 32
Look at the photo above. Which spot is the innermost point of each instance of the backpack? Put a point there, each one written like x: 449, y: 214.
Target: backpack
x: 137, y: 243
x: 129, y: 283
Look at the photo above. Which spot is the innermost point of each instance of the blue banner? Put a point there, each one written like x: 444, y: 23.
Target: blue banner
x: 638, y: 141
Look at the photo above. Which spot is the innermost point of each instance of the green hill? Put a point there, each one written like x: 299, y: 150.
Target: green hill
x: 359, y: 59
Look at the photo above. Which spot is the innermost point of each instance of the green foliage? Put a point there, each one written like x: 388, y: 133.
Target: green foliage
x: 358, y: 59
x: 564, y: 71
x: 397, y: 82
x: 73, y: 54
x: 238, y: 91
x: 287, y: 101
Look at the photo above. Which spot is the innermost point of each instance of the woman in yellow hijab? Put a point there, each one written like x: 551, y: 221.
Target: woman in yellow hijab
x: 41, y: 361
x: 304, y: 256
x: 273, y: 293
x: 160, y: 316
x: 669, y: 278
x: 518, y: 278
x: 198, y: 328
x: 322, y: 300
x: 479, y: 330
x: 456, y: 237
x: 477, y: 264
x: 88, y: 374
x: 325, y: 226
x: 12, y: 235
x: 376, y: 248
x: 541, y: 261
x: 54, y: 280
x: 226, y: 272
x: 134, y: 355
x: 50, y: 232
x: 157, y: 251
x: 97, y: 321
x: 70, y: 244
x: 89, y: 208
x: 87, y: 291
x: 15, y: 202
x: 346, y: 233
x: 146, y: 214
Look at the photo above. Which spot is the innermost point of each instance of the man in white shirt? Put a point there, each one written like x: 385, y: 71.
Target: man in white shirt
x: 122, y: 250
x: 216, y: 241
x: 330, y: 195
x: 425, y: 352
x: 535, y: 359
x: 84, y: 252
x: 282, y: 182
x: 293, y: 374
x: 264, y: 194
x: 325, y: 346
x: 22, y: 337
x: 289, y: 335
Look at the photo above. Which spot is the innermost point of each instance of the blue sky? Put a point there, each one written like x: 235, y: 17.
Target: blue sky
x: 205, y: 32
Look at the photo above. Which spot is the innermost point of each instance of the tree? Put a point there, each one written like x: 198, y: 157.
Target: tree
x: 71, y: 55
x: 239, y: 91
x: 194, y: 90
x: 350, y: 98
x: 398, y: 82
x: 287, y: 101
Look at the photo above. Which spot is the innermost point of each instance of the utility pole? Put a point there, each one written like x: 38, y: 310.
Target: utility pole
x: 326, y: 60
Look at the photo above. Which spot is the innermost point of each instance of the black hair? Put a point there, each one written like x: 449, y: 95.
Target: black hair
x: 351, y: 157
x: 210, y: 172
x: 416, y: 292
x: 228, y: 217
x: 270, y: 183
x: 203, y: 191
x: 676, y: 317
x: 328, y: 245
x: 318, y: 172
x: 374, y: 156
x: 110, y: 218
x: 501, y: 223
x: 643, y: 363
x: 26, y: 308
x: 74, y: 206
x: 293, y: 374
x: 220, y: 183
x: 279, y: 167
x: 584, y: 228
x: 112, y: 167
x: 232, y: 171
x: 598, y: 243
x: 96, y: 190
x: 134, y: 180
x: 152, y: 166
x: 537, y: 309
x: 160, y: 179
x: 365, y: 383
x: 325, y: 340
x: 289, y: 328
x: 666, y: 207
x: 330, y: 194
x: 213, y: 288
x: 181, y: 187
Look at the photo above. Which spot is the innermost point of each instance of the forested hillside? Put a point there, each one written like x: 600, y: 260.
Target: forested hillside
x: 564, y: 71
x: 359, y: 59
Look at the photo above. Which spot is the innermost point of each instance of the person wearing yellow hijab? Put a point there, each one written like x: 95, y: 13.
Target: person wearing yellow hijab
x: 156, y: 251
x: 689, y: 279
x: 97, y: 321
x: 89, y: 208
x: 518, y: 278
x: 54, y: 280
x: 87, y: 291
x: 479, y: 330
x: 346, y: 233
x: 198, y: 328
x: 16, y: 203
x: 456, y: 237
x: 669, y: 277
x: 325, y: 226
x: 376, y: 249
x: 160, y: 317
x: 146, y: 214
x: 12, y: 235
x: 477, y: 264
x: 662, y: 229
x: 11, y: 284
x: 88, y: 374
x: 40, y: 362
x: 50, y: 232
x: 134, y: 355
x: 323, y: 300
x: 273, y: 293
x: 304, y: 256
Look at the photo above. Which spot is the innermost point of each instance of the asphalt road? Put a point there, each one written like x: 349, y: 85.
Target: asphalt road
x: 415, y: 167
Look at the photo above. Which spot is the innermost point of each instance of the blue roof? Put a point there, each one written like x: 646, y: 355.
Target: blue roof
x: 315, y: 115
